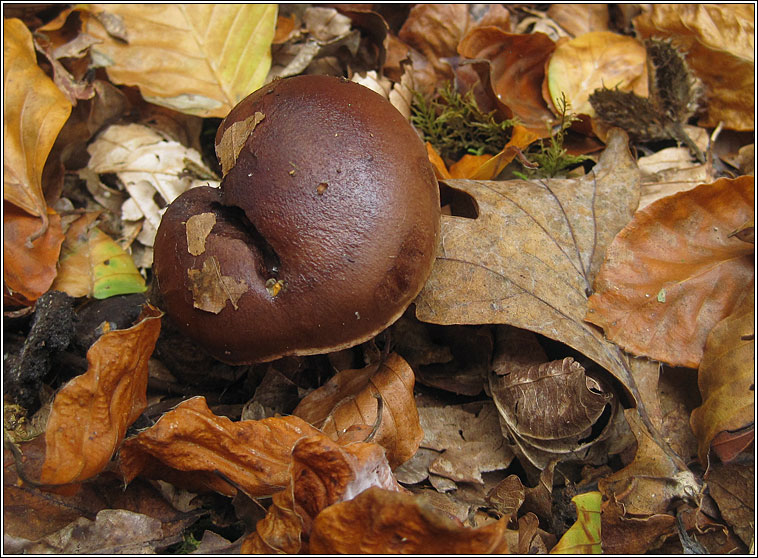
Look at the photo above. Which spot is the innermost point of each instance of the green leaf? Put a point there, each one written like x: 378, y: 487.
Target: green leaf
x: 583, y: 537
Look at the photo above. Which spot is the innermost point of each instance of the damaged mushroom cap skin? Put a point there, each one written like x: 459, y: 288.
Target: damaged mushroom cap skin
x: 324, y: 229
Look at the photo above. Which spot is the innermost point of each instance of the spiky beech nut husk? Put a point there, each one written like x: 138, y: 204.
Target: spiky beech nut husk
x: 323, y: 231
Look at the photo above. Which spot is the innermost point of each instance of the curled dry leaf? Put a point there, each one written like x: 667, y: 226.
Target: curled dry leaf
x: 719, y: 40
x: 29, y: 271
x: 253, y: 454
x: 90, y: 414
x: 378, y: 521
x: 674, y: 272
x: 529, y: 257
x: 199, y: 59
x: 732, y: 486
x: 34, y: 111
x: 349, y: 399
x: 322, y: 473
x: 726, y: 377
x: 591, y: 61
x: 517, y: 70
x: 549, y: 409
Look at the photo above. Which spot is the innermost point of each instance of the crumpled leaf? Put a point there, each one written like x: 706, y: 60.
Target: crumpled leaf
x: 34, y: 111
x: 29, y: 271
x: 674, y: 272
x: 591, y: 61
x: 517, y: 70
x: 378, y: 521
x: 465, y: 439
x: 719, y: 40
x: 93, y: 264
x: 349, y: 398
x: 322, y: 474
x: 529, y: 257
x: 149, y: 163
x: 253, y: 454
x: 583, y: 537
x: 199, y: 59
x: 726, y: 377
x: 90, y: 414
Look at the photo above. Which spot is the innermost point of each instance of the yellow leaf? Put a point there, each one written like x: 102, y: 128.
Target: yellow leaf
x: 34, y: 113
x: 199, y: 59
x: 583, y: 537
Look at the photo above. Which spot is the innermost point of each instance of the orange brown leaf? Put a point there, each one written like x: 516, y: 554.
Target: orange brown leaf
x: 348, y: 399
x: 253, y: 454
x: 29, y: 271
x: 90, y: 414
x: 378, y: 521
x: 323, y: 473
x: 674, y: 272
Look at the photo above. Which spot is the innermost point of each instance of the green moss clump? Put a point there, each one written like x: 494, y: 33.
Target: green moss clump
x: 455, y: 125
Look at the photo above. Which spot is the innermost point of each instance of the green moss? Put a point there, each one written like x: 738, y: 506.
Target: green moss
x: 550, y: 157
x: 455, y: 125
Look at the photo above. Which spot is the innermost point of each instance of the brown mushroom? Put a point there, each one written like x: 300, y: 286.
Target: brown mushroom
x: 323, y: 231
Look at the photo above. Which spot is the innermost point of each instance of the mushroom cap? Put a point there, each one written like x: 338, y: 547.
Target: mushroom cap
x: 323, y: 232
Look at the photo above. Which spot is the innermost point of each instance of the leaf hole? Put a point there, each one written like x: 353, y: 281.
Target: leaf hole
x: 457, y: 203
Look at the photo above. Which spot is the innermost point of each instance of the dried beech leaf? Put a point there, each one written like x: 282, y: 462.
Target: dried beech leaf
x: 254, y: 454
x: 349, y: 399
x: 322, y: 474
x: 199, y: 59
x: 378, y: 521
x: 34, y: 111
x: 674, y: 272
x: 517, y: 70
x: 726, y: 377
x: 719, y: 40
x: 29, y: 271
x: 198, y: 228
x: 580, y: 66
x: 91, y: 413
x: 583, y: 537
x: 211, y: 290
x: 529, y: 257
